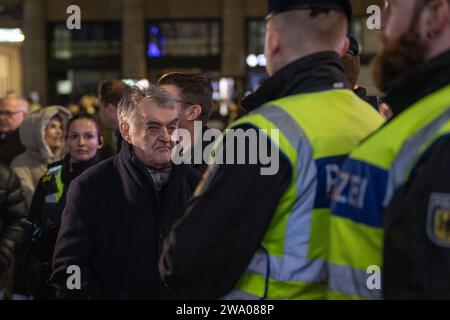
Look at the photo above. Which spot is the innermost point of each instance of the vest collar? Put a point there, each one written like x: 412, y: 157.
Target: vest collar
x: 74, y: 169
x: 419, y: 83
x: 317, y: 72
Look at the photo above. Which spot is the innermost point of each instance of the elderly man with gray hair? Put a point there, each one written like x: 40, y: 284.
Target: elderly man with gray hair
x: 118, y: 212
x: 13, y: 111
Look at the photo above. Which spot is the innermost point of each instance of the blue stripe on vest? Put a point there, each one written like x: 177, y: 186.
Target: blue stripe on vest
x: 327, y: 176
x: 360, y: 192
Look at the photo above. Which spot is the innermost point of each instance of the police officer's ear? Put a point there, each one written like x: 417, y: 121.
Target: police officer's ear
x: 124, y: 129
x: 437, y: 18
x: 343, y: 46
x: 272, y: 41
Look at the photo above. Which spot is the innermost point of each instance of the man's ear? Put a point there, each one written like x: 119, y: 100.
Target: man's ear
x: 124, y: 129
x: 439, y: 18
x: 192, y: 113
x: 343, y: 47
x: 273, y: 41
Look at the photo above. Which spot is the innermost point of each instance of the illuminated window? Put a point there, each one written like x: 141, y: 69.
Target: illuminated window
x: 184, y: 45
x: 79, y: 59
x: 183, y: 39
x: 11, y: 35
x: 255, y: 59
x: 93, y: 40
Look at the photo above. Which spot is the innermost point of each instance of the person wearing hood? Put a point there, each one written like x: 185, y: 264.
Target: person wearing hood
x: 42, y: 134
x: 83, y: 140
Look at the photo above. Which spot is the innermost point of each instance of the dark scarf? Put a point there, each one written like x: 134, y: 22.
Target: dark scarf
x: 158, y: 178
x: 317, y: 72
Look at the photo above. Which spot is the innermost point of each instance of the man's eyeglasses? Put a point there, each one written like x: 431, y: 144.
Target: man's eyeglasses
x: 9, y: 114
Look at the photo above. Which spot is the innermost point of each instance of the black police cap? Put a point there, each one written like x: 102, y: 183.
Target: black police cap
x: 354, y: 46
x: 279, y: 6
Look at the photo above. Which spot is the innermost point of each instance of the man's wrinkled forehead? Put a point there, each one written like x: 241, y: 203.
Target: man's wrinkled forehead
x: 11, y: 103
x: 149, y: 111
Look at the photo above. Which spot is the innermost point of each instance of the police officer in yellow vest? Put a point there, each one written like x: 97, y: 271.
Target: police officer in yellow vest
x: 390, y: 227
x: 82, y: 141
x: 255, y: 234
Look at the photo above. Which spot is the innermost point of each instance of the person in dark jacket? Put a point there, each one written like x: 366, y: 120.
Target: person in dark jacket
x: 13, y: 110
x: 243, y: 201
x: 109, y: 94
x: 417, y: 220
x: 83, y: 140
x: 394, y: 242
x: 12, y: 221
x: 352, y: 65
x: 193, y: 92
x: 118, y: 212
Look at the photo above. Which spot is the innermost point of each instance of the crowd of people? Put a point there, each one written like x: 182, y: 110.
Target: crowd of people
x: 362, y: 182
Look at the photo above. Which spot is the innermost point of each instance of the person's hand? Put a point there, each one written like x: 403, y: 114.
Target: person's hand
x: 385, y: 111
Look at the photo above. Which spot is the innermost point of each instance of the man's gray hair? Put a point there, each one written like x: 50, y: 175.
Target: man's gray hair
x: 21, y: 102
x: 133, y: 97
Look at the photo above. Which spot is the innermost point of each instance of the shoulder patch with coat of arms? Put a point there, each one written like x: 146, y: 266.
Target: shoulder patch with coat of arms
x: 438, y: 219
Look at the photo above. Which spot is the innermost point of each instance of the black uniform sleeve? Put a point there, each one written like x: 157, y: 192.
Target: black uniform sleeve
x: 42, y: 239
x: 210, y: 247
x: 35, y: 213
x: 14, y: 220
x: 75, y: 243
x: 417, y: 231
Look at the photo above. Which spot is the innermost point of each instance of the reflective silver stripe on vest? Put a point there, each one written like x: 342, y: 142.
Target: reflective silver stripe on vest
x: 345, y: 280
x: 240, y: 295
x: 51, y: 198
x: 294, y: 264
x: 289, y: 268
x: 409, y: 152
x: 54, y: 170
